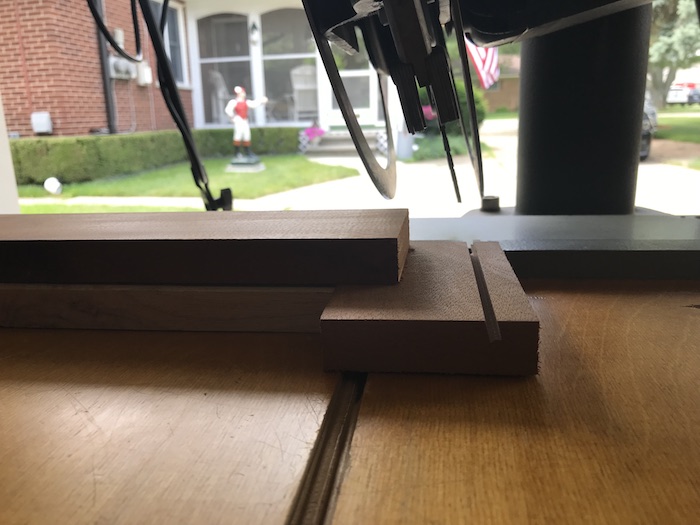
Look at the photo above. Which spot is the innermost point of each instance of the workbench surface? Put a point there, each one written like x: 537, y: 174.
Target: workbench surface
x: 129, y: 427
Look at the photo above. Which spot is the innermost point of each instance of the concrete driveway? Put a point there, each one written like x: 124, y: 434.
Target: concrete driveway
x: 426, y: 187
x: 661, y: 186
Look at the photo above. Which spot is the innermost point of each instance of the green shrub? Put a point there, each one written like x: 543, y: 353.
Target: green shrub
x: 275, y: 140
x: 78, y: 159
x: 219, y: 142
x: 431, y: 147
x: 453, y: 128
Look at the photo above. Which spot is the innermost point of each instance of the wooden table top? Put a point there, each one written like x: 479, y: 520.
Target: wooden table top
x: 109, y: 427
x: 609, y: 432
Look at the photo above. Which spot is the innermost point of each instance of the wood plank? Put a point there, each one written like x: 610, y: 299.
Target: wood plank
x: 516, y: 324
x: 608, y: 432
x: 295, y: 248
x: 433, y: 321
x: 151, y: 428
x: 180, y: 308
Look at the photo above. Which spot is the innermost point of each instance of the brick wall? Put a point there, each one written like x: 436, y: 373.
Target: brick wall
x: 49, y: 61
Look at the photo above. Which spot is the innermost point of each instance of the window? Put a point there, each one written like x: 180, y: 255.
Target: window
x: 173, y: 38
x: 289, y: 65
x: 224, y: 48
x: 287, y: 31
x: 286, y: 75
x: 223, y: 36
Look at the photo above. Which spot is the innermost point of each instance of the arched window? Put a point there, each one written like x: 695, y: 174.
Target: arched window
x: 224, y: 52
x: 174, y: 37
x: 289, y: 63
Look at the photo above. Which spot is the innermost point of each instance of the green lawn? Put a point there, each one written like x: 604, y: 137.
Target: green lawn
x: 430, y: 147
x: 678, y: 108
x: 683, y: 129
x: 501, y: 114
x: 283, y: 172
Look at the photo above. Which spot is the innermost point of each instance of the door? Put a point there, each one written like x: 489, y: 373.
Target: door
x: 362, y: 86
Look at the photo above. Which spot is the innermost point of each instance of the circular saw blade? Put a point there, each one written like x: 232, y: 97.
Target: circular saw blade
x: 383, y: 177
x: 469, y: 123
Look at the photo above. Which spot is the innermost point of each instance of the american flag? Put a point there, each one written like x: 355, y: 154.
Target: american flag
x: 485, y: 62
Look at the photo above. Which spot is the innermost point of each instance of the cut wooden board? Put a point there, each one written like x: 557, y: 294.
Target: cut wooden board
x: 156, y: 428
x: 608, y: 432
x: 181, y: 308
x: 294, y: 248
x: 515, y: 320
x: 436, y: 319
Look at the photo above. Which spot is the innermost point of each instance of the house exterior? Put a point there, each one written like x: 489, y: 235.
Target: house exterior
x: 505, y: 94
x: 50, y: 64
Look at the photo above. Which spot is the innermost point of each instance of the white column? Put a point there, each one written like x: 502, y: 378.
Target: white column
x: 9, y: 200
x: 257, y: 73
x: 394, y: 111
x: 195, y: 70
x: 325, y: 94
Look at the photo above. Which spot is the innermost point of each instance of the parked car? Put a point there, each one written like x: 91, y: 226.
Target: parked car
x: 645, y: 146
x: 650, y: 111
x: 649, y: 125
x: 683, y: 94
x: 677, y: 94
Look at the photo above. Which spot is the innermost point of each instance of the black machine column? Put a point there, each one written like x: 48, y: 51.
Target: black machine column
x: 581, y: 106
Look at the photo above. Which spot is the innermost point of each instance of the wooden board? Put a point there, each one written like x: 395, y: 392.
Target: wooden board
x: 511, y: 317
x: 608, y: 432
x: 181, y: 308
x: 156, y: 428
x: 436, y: 319
x: 296, y: 248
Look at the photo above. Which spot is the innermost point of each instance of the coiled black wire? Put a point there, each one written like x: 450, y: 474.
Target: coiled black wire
x: 168, y: 88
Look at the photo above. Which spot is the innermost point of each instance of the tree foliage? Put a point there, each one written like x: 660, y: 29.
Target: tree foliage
x: 675, y: 38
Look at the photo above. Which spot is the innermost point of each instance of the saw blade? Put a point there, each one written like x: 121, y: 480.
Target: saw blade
x: 383, y: 177
x: 469, y: 123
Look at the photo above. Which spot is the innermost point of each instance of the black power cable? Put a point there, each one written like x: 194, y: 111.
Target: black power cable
x: 168, y: 88
x: 103, y: 29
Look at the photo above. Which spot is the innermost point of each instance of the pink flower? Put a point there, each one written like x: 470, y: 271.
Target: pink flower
x: 313, y: 132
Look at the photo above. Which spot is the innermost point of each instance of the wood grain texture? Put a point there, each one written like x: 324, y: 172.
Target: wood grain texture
x: 508, y: 298
x: 517, y: 325
x: 609, y: 432
x: 180, y: 308
x: 155, y: 428
x: 296, y: 248
x: 433, y: 321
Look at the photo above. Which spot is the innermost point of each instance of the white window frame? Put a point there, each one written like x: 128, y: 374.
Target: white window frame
x: 201, y: 9
x: 284, y: 56
x: 184, y: 48
x: 198, y: 91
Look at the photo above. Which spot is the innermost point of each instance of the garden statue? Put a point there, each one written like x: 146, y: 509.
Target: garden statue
x: 237, y: 111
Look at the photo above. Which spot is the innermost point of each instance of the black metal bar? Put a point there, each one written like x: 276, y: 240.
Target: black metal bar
x: 106, y: 79
x: 581, y: 107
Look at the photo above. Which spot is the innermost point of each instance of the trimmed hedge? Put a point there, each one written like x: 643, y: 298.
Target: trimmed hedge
x: 219, y: 142
x: 77, y: 159
x: 454, y: 128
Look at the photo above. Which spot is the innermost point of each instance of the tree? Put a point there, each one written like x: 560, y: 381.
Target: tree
x: 675, y: 39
